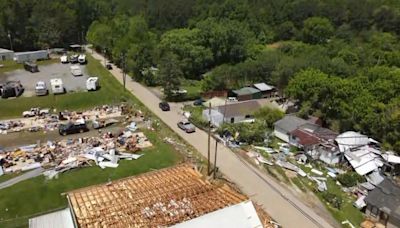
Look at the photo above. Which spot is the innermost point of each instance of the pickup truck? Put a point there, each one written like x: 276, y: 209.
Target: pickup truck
x: 35, y: 112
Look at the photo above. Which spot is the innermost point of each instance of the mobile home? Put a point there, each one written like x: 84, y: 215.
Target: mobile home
x: 21, y: 57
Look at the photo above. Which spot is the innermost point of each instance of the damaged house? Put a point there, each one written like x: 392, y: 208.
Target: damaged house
x: 383, y: 204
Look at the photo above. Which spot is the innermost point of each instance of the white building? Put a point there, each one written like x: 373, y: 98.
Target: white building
x: 6, y: 54
x: 21, y: 57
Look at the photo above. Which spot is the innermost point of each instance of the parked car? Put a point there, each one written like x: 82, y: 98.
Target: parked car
x: 64, y: 59
x: 72, y: 128
x: 35, y: 112
x: 31, y: 67
x: 232, y: 99
x: 109, y: 66
x: 186, y: 126
x: 198, y: 102
x: 164, y: 106
x: 41, y: 89
x: 73, y: 59
x: 82, y: 59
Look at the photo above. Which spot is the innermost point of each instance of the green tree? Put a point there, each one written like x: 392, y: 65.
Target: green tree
x: 317, y: 30
x: 170, y: 74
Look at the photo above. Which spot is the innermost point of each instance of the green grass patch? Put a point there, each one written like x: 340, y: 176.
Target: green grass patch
x: 193, y: 88
x: 7, y: 177
x: 38, y: 195
x: 196, y: 116
x: 299, y: 184
x: 282, y: 174
x: 111, y: 92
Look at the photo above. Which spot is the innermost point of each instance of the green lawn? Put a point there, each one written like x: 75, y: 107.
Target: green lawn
x: 6, y: 177
x: 111, y: 92
x: 193, y: 88
x: 38, y: 195
x: 196, y: 116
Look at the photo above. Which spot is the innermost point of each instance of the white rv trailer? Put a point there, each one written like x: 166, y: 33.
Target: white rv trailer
x: 76, y: 70
x: 57, y: 86
x: 92, y: 83
x: 82, y: 59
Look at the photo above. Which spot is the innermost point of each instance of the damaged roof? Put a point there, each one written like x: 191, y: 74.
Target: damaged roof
x: 386, y: 196
x: 290, y: 123
x: 155, y: 199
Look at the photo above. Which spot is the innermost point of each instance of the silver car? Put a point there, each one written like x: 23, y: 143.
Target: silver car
x: 186, y: 126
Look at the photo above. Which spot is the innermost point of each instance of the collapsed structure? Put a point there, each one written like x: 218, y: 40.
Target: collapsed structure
x: 159, y: 199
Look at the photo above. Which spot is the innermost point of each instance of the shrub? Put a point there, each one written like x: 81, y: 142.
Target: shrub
x: 333, y: 199
x: 350, y: 179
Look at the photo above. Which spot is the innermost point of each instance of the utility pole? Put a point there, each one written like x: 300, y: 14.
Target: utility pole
x: 9, y: 38
x: 123, y: 69
x: 215, y: 159
x: 209, y: 139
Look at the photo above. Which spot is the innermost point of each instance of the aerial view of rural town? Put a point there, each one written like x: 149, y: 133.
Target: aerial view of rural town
x: 199, y: 113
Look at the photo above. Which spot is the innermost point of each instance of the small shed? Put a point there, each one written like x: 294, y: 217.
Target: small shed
x: 6, y: 54
x: 246, y: 93
x: 266, y: 90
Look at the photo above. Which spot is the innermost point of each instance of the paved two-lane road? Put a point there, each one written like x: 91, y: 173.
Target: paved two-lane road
x: 282, y: 205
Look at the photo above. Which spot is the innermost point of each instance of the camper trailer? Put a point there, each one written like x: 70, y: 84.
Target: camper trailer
x: 82, y: 59
x: 11, y: 89
x: 41, y: 88
x: 64, y: 59
x: 31, y: 67
x: 57, y: 86
x: 92, y: 83
x: 21, y: 57
x: 76, y: 70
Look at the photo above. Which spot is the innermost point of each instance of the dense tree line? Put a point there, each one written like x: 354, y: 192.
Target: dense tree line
x: 338, y: 58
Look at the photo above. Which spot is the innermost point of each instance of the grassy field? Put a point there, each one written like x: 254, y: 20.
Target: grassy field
x: 111, y: 92
x: 37, y: 195
x: 9, y: 176
x: 193, y: 88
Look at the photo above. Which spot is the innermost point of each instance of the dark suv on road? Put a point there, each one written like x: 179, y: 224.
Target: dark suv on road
x: 72, y: 128
x: 164, y: 106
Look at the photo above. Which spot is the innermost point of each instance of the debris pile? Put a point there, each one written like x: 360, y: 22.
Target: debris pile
x: 45, y: 121
x: 104, y: 151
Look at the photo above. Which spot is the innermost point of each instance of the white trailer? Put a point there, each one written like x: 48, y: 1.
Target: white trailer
x: 21, y: 57
x: 64, y: 59
x: 57, y: 86
x: 82, y: 59
x: 92, y: 83
x: 76, y: 70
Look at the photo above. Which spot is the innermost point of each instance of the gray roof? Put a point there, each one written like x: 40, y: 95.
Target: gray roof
x: 289, y: 123
x: 2, y: 50
x: 242, y: 108
x: 386, y: 196
x: 61, y: 219
x: 263, y: 87
x: 246, y: 91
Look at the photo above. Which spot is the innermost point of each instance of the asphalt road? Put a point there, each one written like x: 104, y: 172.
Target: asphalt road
x: 25, y: 176
x: 280, y: 203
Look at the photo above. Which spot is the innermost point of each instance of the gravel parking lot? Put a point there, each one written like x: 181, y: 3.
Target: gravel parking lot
x: 47, y: 72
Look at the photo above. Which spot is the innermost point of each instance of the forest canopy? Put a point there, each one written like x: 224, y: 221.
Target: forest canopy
x: 339, y: 59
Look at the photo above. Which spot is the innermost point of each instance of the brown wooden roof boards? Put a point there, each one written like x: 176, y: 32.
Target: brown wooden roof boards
x: 155, y: 199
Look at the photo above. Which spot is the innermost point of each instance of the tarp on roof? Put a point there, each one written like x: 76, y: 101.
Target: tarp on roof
x: 351, y: 139
x: 241, y: 215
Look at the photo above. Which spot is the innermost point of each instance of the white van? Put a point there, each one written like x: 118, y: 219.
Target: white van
x: 57, y: 86
x: 64, y: 59
x: 76, y: 70
x: 82, y: 59
x: 41, y: 88
x: 92, y: 83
